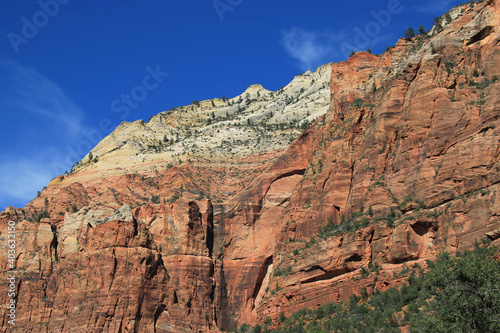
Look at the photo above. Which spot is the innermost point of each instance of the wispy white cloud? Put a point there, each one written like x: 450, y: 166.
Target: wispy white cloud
x: 21, y: 179
x: 38, y: 121
x: 28, y: 92
x: 310, y: 48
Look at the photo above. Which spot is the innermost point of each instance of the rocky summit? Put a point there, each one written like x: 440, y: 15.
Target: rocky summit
x: 233, y: 210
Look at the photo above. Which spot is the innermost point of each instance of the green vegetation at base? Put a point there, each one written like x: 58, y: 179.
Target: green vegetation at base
x: 467, y: 294
x: 456, y: 294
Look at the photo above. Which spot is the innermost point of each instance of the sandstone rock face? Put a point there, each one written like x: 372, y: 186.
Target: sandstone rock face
x: 403, y: 163
x: 413, y: 145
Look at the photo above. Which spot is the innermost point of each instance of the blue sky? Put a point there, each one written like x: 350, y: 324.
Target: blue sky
x: 71, y: 71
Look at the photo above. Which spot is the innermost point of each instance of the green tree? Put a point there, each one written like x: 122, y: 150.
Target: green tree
x: 448, y: 18
x: 410, y: 33
x: 43, y: 214
x: 244, y: 328
x: 358, y: 103
x: 421, y: 30
x: 257, y: 329
x: 437, y: 24
x: 468, y: 294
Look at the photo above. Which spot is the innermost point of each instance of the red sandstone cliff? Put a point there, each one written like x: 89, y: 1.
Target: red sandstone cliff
x: 405, y: 164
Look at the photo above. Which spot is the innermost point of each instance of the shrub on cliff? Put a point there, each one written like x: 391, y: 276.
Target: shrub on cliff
x: 437, y: 24
x: 410, y: 33
x: 43, y: 214
x: 358, y: 103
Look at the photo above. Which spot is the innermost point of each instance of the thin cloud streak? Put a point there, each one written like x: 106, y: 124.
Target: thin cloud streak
x: 26, y: 91
x: 20, y: 180
x: 310, y: 48
x: 30, y: 100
